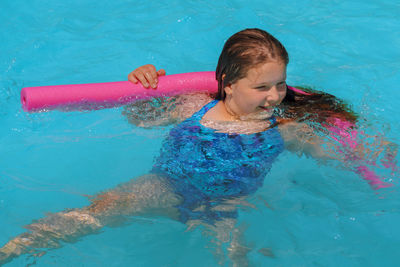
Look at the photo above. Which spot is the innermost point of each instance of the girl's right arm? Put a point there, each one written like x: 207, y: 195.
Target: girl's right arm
x: 160, y: 111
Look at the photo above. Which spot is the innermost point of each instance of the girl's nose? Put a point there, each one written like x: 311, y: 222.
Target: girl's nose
x: 273, y: 96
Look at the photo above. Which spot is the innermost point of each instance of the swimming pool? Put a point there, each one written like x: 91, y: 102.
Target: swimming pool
x: 307, y: 214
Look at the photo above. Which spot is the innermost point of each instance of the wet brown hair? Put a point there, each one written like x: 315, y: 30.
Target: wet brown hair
x: 315, y: 107
x: 244, y: 50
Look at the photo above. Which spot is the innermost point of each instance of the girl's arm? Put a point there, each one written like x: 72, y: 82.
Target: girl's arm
x: 363, y: 158
x: 301, y: 139
x: 164, y: 110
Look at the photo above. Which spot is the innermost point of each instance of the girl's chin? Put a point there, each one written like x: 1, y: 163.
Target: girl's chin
x: 261, y: 115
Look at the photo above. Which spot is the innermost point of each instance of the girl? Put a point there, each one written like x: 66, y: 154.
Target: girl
x: 218, y: 155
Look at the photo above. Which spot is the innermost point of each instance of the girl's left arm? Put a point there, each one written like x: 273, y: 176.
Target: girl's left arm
x: 362, y: 158
x: 301, y: 139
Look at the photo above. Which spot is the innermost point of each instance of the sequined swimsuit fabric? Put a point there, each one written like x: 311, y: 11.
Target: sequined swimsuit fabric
x: 206, y: 167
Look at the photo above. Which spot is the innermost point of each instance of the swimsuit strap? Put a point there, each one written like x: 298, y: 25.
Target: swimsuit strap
x: 199, y: 114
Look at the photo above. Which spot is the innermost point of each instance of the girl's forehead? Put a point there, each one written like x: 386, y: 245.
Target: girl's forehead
x: 268, y: 72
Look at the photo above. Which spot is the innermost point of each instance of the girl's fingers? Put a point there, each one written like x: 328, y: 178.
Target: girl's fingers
x: 151, y: 75
x: 146, y: 75
x: 161, y: 72
x: 142, y: 79
x: 151, y: 78
x: 132, y: 78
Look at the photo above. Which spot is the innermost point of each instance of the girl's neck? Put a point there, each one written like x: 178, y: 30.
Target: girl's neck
x: 219, y: 113
x: 219, y: 119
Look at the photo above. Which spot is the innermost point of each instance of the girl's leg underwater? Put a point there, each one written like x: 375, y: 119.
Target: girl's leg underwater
x: 146, y: 195
x: 227, y: 232
x: 226, y: 237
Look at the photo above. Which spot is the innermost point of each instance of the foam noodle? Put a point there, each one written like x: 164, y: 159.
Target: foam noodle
x: 98, y: 95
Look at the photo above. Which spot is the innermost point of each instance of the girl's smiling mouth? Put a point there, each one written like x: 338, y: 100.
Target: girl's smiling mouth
x: 266, y: 108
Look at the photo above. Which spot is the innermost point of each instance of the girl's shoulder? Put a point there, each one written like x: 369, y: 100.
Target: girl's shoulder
x: 165, y: 110
x: 188, y: 104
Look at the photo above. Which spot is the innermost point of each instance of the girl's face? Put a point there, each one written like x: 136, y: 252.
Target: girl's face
x: 256, y: 95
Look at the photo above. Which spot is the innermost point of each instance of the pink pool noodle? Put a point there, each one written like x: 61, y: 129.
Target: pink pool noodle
x: 97, y: 95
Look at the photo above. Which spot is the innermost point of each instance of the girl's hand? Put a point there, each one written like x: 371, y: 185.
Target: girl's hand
x: 147, y: 75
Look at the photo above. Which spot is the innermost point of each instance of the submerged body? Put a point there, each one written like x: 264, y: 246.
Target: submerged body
x: 205, y: 166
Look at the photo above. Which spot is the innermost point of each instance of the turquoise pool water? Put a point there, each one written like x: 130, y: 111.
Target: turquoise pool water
x: 307, y: 214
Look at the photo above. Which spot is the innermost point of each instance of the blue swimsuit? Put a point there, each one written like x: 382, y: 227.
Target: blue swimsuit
x: 205, y: 166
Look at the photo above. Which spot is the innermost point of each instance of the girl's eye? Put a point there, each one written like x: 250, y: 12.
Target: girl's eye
x: 282, y: 86
x: 279, y: 86
x: 263, y: 88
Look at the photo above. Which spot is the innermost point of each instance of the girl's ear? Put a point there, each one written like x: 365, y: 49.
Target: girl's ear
x: 228, y: 89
